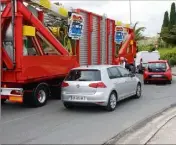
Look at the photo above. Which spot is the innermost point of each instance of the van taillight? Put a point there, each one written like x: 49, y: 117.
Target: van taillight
x: 97, y: 85
x: 64, y: 84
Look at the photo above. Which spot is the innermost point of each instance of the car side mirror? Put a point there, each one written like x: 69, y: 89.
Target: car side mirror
x: 131, y: 74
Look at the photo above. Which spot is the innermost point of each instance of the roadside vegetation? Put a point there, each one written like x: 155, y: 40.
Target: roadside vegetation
x: 166, y: 41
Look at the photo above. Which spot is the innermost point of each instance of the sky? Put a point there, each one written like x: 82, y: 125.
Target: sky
x: 149, y: 14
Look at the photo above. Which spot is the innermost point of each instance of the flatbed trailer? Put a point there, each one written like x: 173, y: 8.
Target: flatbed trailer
x: 33, y: 78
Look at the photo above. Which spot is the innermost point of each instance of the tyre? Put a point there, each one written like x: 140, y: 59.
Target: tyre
x: 112, y: 103
x: 68, y: 105
x: 169, y: 82
x: 145, y: 82
x: 3, y: 101
x: 138, y: 91
x: 40, y: 95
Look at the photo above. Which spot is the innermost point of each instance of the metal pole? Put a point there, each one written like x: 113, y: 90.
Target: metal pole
x: 13, y: 2
x: 130, y: 11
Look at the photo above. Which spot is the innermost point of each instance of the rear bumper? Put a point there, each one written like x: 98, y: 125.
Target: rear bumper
x: 6, y: 93
x: 161, y: 78
x: 99, y: 98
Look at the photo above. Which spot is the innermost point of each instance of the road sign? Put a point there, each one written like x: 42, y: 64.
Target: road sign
x: 76, y: 26
x: 119, y: 34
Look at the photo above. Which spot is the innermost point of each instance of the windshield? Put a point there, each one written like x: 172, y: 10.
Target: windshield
x: 84, y: 75
x: 157, y: 65
x: 145, y: 64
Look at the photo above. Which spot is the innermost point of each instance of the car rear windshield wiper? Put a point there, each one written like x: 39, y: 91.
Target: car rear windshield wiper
x: 84, y: 80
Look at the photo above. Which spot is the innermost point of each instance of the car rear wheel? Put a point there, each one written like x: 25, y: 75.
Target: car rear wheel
x: 138, y: 91
x: 169, y: 82
x: 112, y: 103
x: 145, y: 82
x: 68, y: 105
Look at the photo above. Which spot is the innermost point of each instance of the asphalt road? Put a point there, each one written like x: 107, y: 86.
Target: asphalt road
x: 53, y: 124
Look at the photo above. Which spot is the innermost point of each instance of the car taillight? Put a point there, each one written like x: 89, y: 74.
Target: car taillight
x: 64, y: 84
x: 97, y: 85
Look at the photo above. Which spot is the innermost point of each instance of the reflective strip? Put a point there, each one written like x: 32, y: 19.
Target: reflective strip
x: 18, y: 99
x: 7, y: 91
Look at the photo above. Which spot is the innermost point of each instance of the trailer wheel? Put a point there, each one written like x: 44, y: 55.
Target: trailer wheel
x: 40, y: 95
x: 3, y: 101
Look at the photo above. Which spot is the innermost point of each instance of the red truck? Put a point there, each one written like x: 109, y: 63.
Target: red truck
x: 30, y: 75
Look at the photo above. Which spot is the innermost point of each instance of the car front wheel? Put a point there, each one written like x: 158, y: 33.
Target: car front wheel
x: 138, y: 91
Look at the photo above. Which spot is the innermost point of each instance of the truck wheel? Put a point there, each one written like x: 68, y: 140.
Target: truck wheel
x: 3, y: 101
x: 40, y: 95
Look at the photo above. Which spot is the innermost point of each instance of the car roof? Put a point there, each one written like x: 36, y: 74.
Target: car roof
x: 96, y: 67
x: 158, y: 61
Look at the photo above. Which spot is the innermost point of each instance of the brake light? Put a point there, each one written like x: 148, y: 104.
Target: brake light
x: 64, y: 84
x: 97, y: 85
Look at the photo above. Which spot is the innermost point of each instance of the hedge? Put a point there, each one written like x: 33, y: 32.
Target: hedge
x: 168, y: 54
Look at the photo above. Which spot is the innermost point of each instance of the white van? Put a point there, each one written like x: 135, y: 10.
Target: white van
x: 143, y: 57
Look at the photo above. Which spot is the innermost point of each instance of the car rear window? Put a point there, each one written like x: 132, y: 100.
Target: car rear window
x: 84, y: 75
x: 158, y: 65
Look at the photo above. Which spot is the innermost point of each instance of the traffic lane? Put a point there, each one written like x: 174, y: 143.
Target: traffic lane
x: 55, y: 124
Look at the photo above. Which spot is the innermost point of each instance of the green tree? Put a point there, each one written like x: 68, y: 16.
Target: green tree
x: 168, y: 33
x: 138, y: 32
x: 166, y: 20
x: 172, y: 16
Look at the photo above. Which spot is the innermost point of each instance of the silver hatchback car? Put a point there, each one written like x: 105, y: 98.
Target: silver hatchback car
x: 102, y: 85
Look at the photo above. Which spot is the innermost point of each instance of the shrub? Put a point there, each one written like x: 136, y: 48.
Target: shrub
x: 168, y: 54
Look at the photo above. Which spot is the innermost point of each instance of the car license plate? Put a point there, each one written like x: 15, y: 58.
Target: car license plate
x: 156, y: 76
x: 77, y: 98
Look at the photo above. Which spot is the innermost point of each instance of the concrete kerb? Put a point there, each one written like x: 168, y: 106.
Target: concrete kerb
x: 137, y: 126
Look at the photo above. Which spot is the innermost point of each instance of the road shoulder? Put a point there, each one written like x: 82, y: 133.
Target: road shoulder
x: 143, y: 132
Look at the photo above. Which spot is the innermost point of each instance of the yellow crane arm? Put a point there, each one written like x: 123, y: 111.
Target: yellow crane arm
x: 51, y: 7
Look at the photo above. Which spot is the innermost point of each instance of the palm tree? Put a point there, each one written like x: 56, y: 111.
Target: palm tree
x: 138, y: 32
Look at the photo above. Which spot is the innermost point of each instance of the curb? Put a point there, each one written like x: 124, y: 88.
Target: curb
x: 137, y: 126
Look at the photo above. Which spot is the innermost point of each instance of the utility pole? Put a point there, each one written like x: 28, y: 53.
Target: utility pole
x: 130, y: 11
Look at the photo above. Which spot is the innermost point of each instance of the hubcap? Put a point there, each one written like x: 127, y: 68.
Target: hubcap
x: 113, y: 101
x: 41, y: 96
x: 138, y: 90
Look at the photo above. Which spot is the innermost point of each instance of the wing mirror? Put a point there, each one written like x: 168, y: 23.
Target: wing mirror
x: 131, y: 74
